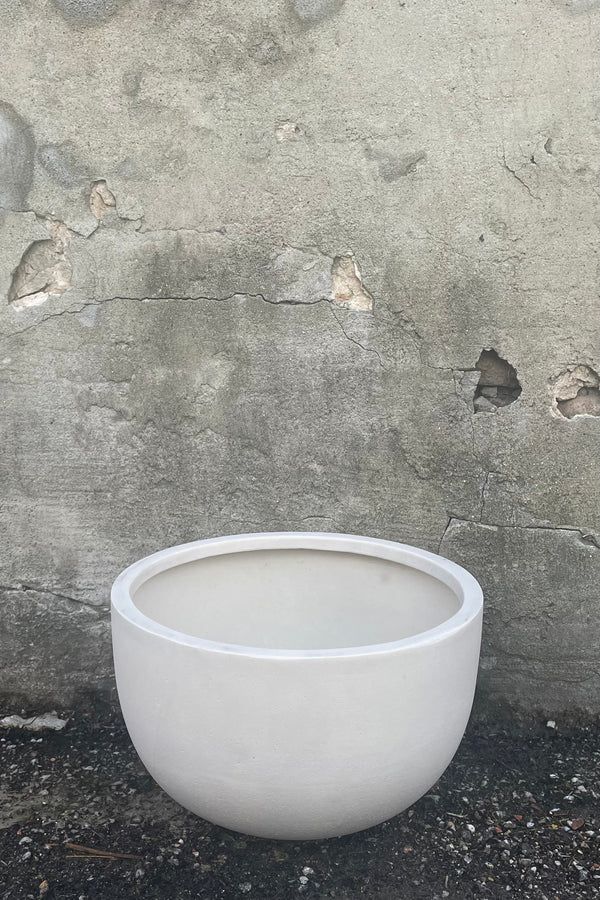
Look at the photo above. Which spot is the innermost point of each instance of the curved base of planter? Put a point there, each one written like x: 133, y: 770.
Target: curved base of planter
x: 318, y: 739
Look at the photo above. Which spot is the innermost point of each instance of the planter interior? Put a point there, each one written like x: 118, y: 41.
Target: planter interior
x: 300, y: 599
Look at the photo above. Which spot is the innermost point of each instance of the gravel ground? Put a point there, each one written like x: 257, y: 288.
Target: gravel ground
x: 516, y: 814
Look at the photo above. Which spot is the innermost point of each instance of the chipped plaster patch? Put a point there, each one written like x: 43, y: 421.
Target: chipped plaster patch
x: 101, y: 199
x: 347, y: 288
x: 287, y: 131
x: 576, y: 393
x: 44, y: 269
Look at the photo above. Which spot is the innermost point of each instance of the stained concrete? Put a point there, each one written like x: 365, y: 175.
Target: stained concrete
x: 324, y: 213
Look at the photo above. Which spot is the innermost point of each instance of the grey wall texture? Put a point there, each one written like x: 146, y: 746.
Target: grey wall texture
x: 300, y: 265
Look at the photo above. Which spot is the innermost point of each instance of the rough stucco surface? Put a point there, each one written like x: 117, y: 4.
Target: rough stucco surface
x: 250, y: 256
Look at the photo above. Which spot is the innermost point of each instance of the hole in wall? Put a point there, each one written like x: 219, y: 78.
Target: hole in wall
x: 498, y: 384
x: 577, y: 393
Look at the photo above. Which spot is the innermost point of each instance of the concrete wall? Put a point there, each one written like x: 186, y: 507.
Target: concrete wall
x: 251, y: 254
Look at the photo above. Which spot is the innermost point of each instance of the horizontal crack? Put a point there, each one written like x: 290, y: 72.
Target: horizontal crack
x: 102, y: 301
x: 36, y: 589
x: 586, y: 537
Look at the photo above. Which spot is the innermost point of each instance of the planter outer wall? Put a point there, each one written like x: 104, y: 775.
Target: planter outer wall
x: 295, y: 747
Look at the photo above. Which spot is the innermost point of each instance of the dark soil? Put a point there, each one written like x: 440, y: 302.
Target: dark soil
x: 516, y: 814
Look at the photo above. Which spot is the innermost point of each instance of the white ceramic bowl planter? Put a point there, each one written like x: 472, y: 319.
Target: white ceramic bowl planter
x: 296, y: 685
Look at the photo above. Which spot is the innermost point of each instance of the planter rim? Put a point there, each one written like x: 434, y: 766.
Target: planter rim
x: 463, y: 584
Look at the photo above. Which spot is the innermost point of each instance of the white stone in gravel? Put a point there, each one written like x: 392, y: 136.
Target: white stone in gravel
x: 35, y: 723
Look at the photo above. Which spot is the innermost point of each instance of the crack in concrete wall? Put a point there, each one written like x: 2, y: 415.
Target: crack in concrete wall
x: 586, y: 537
x: 47, y: 592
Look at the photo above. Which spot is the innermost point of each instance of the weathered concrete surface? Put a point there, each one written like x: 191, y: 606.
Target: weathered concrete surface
x: 270, y: 243
x: 542, y: 608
